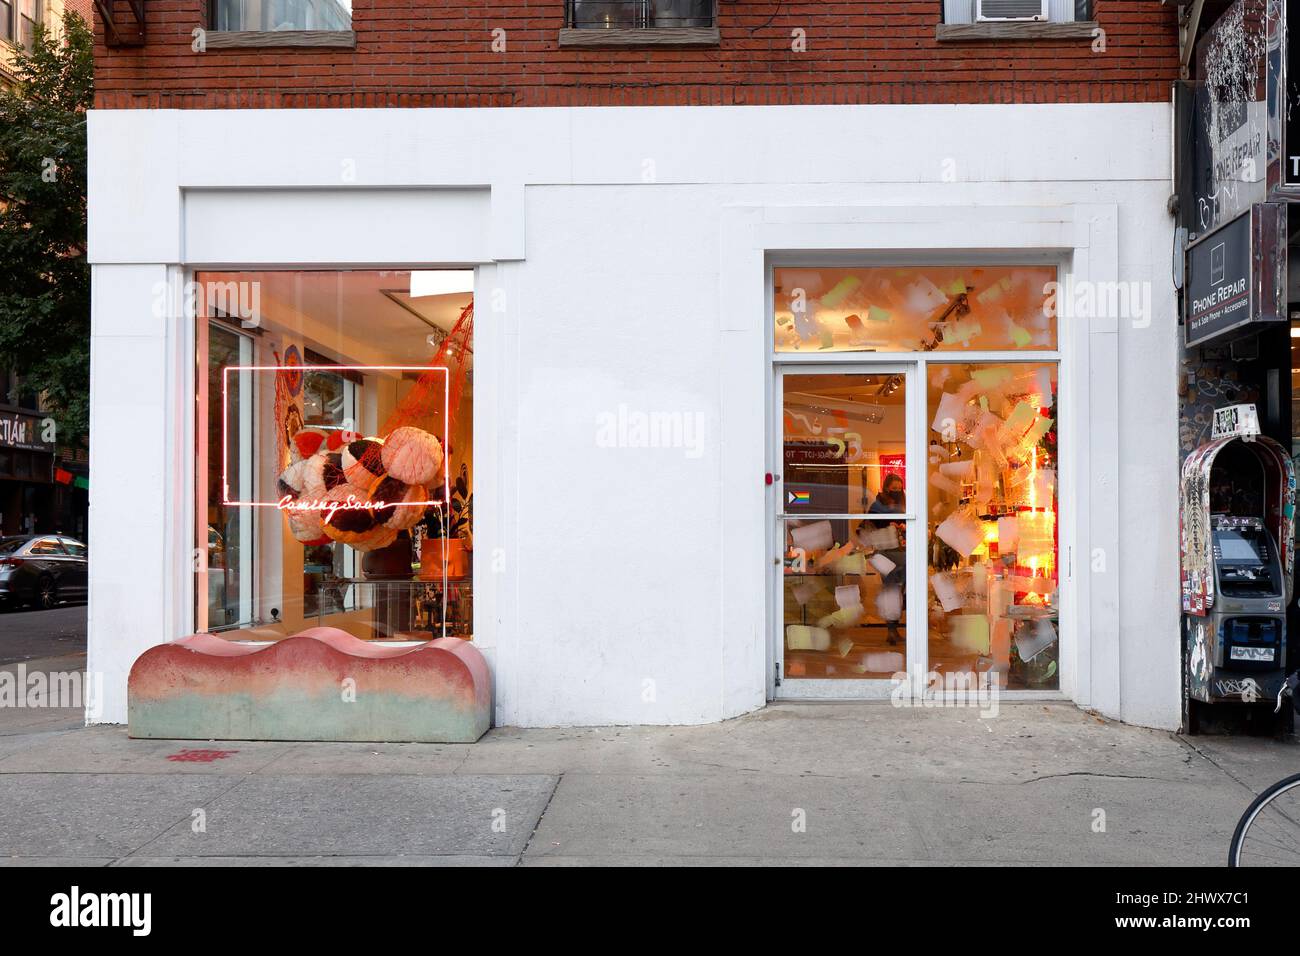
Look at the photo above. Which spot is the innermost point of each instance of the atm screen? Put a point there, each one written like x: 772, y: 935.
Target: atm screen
x: 1233, y: 547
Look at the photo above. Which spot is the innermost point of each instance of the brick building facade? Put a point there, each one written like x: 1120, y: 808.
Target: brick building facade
x: 417, y: 54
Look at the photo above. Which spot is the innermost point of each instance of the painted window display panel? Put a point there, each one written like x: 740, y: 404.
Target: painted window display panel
x: 336, y: 453
x: 993, y: 535
x: 915, y: 308
x: 844, y: 443
x: 843, y: 597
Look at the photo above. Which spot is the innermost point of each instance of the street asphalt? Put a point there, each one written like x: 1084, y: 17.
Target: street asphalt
x: 30, y: 635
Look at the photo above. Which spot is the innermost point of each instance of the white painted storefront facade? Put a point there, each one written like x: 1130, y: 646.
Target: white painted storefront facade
x: 624, y: 260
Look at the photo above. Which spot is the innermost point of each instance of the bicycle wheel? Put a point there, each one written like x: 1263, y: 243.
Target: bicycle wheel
x: 1268, y: 833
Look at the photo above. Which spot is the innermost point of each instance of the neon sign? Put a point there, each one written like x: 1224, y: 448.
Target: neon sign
x: 286, y: 502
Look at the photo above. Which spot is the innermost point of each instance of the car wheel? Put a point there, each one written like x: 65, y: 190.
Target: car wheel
x: 47, y: 595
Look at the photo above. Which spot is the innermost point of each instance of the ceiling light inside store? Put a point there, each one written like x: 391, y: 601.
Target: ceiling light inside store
x: 441, y: 282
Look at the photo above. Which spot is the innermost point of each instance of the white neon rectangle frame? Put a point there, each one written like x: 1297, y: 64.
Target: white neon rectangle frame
x: 445, y: 501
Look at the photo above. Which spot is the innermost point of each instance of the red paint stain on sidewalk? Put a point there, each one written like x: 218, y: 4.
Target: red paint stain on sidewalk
x: 201, y: 756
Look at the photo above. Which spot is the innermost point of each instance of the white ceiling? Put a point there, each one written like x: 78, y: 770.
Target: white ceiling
x: 374, y: 307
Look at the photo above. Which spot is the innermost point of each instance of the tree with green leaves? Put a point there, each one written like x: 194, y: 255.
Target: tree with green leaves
x: 44, y: 275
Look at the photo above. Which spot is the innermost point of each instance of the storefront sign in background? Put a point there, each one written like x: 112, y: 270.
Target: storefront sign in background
x: 18, y: 430
x: 1235, y: 276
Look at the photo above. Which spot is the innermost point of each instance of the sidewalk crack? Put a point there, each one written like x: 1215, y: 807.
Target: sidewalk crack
x: 1093, y: 773
x: 1205, y: 755
x: 540, y: 817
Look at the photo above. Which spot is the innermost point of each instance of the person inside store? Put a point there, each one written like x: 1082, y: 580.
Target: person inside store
x: 892, y: 500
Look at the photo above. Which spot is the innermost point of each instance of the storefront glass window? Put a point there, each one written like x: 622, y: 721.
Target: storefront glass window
x: 993, y: 537
x: 329, y: 402
x: 228, y: 536
x: 335, y: 453
x: 915, y: 308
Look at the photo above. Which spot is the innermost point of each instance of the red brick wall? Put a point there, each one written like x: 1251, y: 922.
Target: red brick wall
x: 83, y: 7
x: 425, y: 53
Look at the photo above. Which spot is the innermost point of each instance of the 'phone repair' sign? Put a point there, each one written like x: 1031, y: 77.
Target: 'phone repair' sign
x: 1225, y: 271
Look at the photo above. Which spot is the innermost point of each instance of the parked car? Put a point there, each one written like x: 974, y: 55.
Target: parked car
x: 42, y: 570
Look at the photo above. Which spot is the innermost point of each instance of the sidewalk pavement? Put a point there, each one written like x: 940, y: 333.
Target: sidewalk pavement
x: 874, y: 784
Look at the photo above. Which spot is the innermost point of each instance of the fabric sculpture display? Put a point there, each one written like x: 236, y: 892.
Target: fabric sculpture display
x: 360, y: 491
x: 363, y: 491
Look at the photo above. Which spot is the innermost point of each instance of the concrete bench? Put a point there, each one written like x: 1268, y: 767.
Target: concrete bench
x: 320, y: 684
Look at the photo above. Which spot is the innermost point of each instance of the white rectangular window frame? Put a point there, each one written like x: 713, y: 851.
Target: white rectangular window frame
x: 805, y: 688
x: 187, y: 445
x: 916, y: 365
x: 1082, y: 240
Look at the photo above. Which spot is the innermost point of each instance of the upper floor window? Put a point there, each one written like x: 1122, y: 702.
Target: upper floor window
x: 268, y: 15
x: 16, y: 393
x: 1005, y: 21
x: 29, y: 14
x: 638, y: 14
x: 18, y: 20
x: 1014, y: 11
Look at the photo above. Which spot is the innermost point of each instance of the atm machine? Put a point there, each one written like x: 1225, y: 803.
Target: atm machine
x: 1237, y: 525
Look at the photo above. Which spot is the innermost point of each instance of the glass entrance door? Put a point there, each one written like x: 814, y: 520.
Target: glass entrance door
x: 950, y: 377
x: 848, y: 565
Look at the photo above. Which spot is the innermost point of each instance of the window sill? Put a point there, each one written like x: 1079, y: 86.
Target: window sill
x: 1002, y: 32
x: 243, y: 39
x: 641, y: 36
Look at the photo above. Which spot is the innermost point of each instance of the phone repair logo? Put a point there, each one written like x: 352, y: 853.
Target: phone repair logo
x: 1218, y: 262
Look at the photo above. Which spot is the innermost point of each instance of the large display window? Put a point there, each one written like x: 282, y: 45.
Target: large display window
x: 993, y: 545
x: 917, y: 509
x: 334, y: 453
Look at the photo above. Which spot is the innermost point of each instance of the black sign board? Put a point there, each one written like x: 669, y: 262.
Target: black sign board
x: 19, y: 430
x: 1234, y: 276
x: 1230, y: 150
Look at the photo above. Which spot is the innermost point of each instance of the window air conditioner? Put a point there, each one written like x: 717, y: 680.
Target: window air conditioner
x: 1004, y: 10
